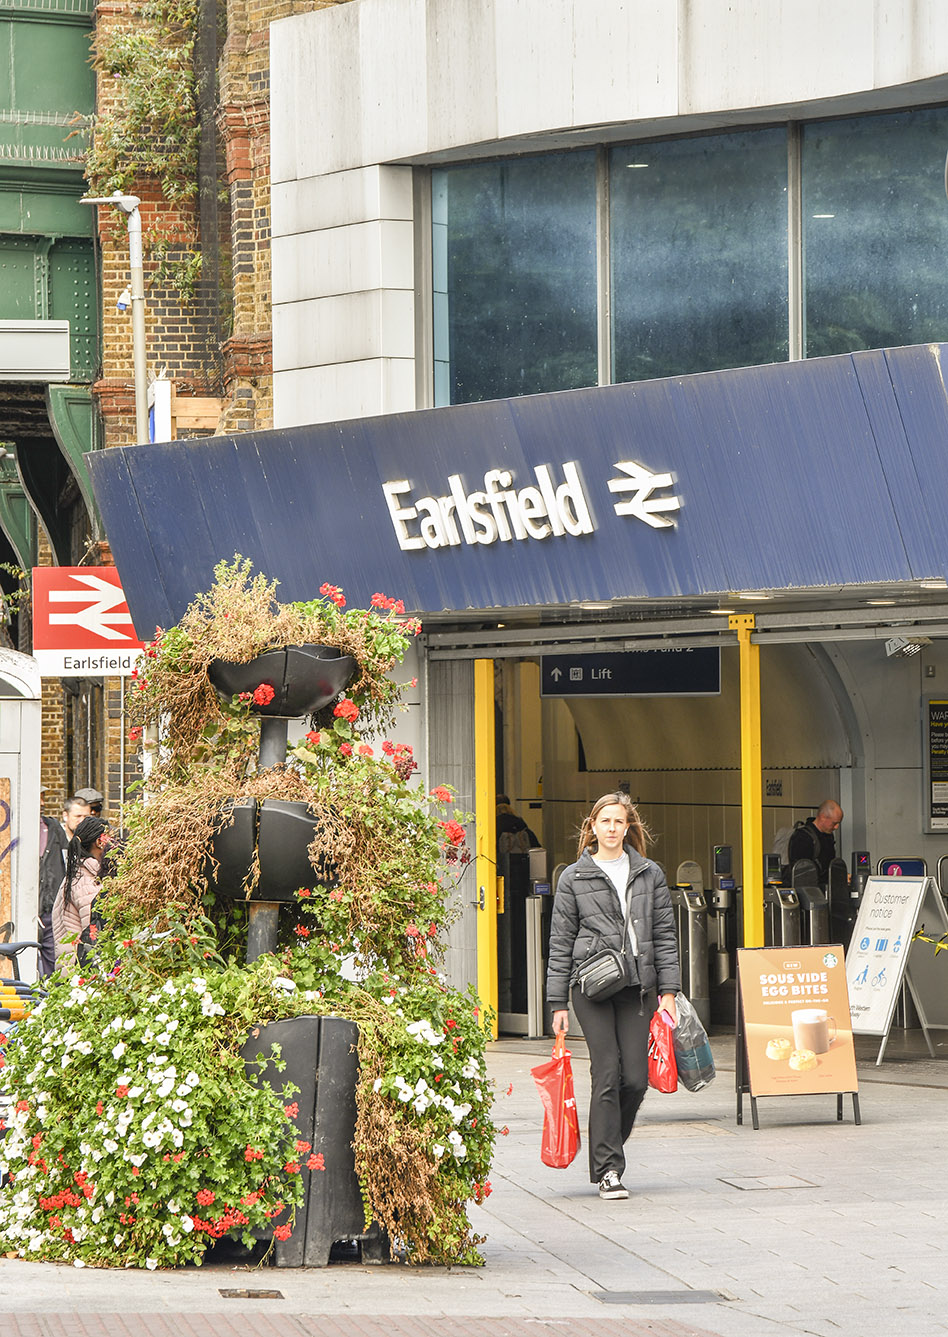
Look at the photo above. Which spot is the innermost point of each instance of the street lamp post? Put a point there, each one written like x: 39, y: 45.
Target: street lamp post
x: 129, y: 205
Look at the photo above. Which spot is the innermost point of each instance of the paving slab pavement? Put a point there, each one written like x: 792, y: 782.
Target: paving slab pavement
x: 807, y: 1226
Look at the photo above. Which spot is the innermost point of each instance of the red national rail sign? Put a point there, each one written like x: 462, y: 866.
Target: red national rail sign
x: 81, y: 624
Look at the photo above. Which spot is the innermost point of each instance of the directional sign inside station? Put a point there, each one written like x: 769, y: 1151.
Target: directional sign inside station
x: 672, y: 672
x: 81, y: 624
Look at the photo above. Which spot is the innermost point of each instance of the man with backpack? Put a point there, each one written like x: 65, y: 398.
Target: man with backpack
x: 815, y: 839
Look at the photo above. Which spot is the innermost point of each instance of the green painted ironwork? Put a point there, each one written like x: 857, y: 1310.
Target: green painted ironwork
x: 72, y: 419
x: 16, y: 514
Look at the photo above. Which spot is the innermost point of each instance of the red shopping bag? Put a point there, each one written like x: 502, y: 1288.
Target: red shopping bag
x: 662, y: 1068
x: 560, y: 1121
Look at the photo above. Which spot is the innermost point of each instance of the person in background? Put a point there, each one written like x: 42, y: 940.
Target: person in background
x: 73, y: 906
x: 53, y: 844
x: 93, y: 798
x: 588, y: 915
x: 519, y: 836
x: 816, y: 839
x: 74, y: 809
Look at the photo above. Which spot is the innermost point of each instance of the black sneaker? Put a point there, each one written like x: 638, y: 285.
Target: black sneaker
x: 611, y: 1186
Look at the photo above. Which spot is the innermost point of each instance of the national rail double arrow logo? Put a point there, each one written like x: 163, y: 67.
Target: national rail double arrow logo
x: 100, y: 609
x: 642, y: 483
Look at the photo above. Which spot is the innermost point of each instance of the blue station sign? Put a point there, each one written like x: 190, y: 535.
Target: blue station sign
x: 797, y: 475
x: 671, y: 672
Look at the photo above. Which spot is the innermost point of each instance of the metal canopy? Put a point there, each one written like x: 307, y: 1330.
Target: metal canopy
x: 818, y: 483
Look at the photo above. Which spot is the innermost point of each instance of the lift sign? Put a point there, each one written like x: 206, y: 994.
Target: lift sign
x: 678, y: 672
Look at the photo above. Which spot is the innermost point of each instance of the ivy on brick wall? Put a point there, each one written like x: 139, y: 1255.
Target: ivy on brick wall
x: 150, y: 125
x: 149, y: 129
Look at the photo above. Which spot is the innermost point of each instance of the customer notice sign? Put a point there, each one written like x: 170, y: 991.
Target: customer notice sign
x: 882, y: 953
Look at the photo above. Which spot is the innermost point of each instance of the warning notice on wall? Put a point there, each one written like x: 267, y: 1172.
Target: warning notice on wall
x: 797, y: 1030
x: 938, y: 765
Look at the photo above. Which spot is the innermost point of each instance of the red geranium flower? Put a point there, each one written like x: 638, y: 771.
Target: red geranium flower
x: 121, y: 1092
x: 263, y: 694
x: 345, y: 749
x: 282, y: 1232
x: 316, y: 1162
x: 204, y: 1197
x: 454, y: 831
x: 346, y: 710
x: 333, y: 593
x: 313, y: 738
x: 441, y: 793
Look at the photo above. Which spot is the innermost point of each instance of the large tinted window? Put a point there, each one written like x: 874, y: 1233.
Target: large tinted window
x: 514, y: 277
x: 699, y: 254
x: 875, y: 231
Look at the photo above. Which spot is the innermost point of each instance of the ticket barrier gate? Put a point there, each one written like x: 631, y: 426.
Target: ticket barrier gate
x: 815, y: 916
x: 523, y: 941
x: 691, y: 923
x: 781, y: 917
x: 842, y: 907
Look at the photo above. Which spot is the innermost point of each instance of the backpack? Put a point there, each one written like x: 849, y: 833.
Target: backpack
x: 514, y: 842
x: 781, y: 846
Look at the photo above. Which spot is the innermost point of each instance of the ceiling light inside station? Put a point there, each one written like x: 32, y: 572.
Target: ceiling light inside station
x: 903, y: 647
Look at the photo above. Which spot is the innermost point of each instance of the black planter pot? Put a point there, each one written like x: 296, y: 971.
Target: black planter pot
x: 281, y: 833
x: 318, y: 1055
x: 304, y: 678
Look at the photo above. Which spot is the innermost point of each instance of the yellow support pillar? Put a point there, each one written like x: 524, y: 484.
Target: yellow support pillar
x: 752, y: 839
x: 485, y: 821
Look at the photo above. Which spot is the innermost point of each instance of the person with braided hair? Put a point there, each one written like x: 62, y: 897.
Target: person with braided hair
x: 72, y: 909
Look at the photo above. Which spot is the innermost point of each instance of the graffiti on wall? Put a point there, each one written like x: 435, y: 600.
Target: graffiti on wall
x: 7, y: 845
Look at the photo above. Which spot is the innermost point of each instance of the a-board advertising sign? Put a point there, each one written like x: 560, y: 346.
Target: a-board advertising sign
x: 81, y: 624
x: 797, y: 1033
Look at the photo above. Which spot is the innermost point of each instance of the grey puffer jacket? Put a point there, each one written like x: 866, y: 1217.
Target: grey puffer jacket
x: 587, y: 918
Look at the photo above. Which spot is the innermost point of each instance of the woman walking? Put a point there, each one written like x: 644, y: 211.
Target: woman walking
x: 611, y: 883
x: 72, y: 908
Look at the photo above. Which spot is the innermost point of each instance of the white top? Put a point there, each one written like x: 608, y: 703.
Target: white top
x: 617, y: 871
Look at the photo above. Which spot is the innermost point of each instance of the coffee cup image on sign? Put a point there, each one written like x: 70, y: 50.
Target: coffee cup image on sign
x: 813, y: 1030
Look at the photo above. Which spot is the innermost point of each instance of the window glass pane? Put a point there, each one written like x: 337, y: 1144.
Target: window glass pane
x: 875, y: 231
x: 699, y: 254
x: 514, y: 265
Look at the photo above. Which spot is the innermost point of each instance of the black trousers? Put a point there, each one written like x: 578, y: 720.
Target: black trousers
x: 47, y: 956
x: 616, y: 1032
